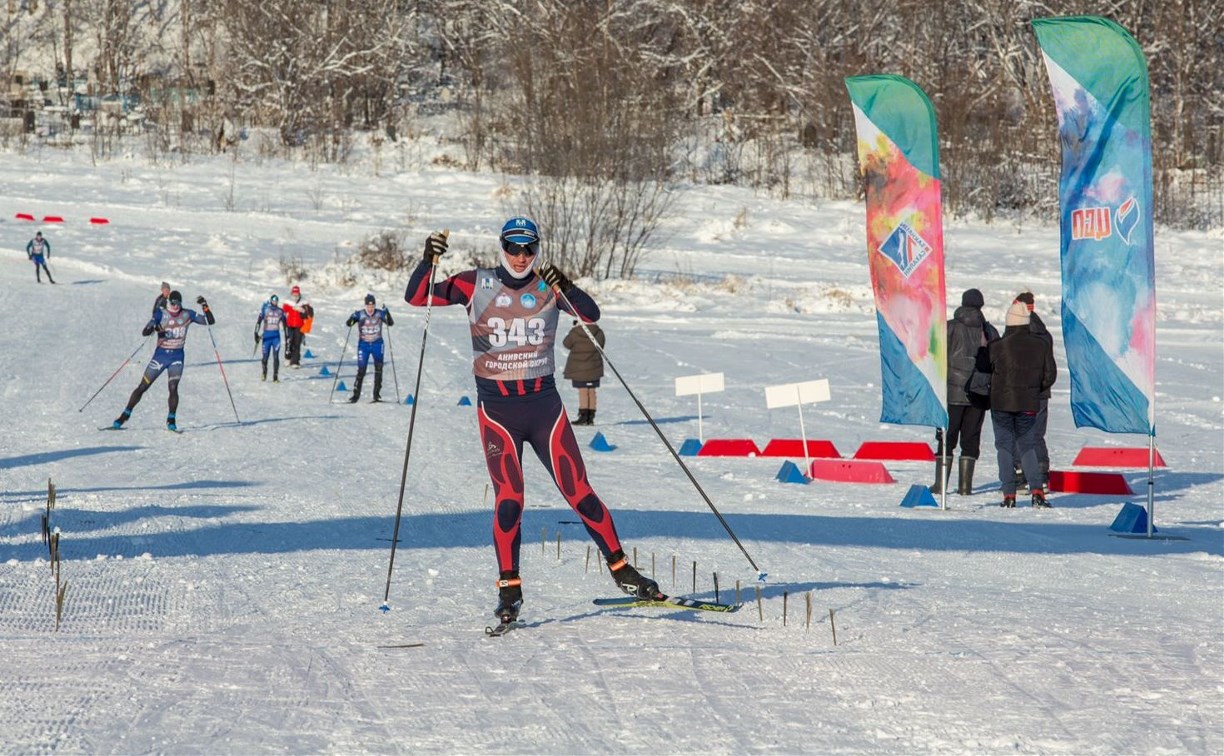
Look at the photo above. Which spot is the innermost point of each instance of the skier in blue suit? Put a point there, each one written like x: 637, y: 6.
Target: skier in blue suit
x: 171, y: 326
x: 369, y: 322
x: 38, y: 250
x: 268, y: 331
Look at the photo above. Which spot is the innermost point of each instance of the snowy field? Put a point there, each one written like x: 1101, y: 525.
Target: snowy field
x: 223, y: 584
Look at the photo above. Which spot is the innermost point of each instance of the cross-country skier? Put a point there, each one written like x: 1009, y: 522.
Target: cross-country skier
x: 268, y: 332
x: 38, y: 250
x: 162, y: 298
x: 513, y: 312
x: 369, y: 322
x: 171, y: 326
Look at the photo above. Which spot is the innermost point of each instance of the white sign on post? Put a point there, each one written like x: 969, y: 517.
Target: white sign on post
x: 798, y: 394
x: 706, y: 383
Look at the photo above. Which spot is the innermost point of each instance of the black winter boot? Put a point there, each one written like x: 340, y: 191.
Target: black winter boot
x: 943, y: 471
x: 630, y: 580
x: 964, y: 480
x: 590, y: 417
x: 509, y: 597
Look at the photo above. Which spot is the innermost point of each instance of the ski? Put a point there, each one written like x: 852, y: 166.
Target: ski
x: 502, y: 628
x: 403, y: 645
x: 111, y: 427
x: 668, y: 602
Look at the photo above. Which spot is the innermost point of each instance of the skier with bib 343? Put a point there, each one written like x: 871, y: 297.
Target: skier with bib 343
x: 171, y: 326
x: 513, y: 310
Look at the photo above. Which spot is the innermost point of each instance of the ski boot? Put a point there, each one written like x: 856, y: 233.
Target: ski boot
x: 123, y: 418
x: 630, y: 580
x: 509, y: 598
x: 170, y: 424
x: 1009, y: 501
x: 1039, y: 499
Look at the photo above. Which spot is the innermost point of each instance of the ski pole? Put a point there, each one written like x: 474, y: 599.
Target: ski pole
x: 343, y: 349
x: 108, y: 380
x: 399, y: 506
x: 223, y: 378
x: 391, y: 354
x: 663, y: 438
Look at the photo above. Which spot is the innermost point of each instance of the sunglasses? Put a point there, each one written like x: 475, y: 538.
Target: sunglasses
x: 521, y: 250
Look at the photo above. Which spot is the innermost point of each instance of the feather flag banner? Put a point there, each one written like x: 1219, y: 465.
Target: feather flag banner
x: 898, y: 151
x: 1100, y: 84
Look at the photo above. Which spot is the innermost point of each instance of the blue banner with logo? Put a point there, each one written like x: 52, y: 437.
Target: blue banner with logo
x: 1100, y: 84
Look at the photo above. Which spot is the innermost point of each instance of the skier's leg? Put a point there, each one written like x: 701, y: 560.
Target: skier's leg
x: 173, y: 375
x: 552, y: 438
x: 503, y: 452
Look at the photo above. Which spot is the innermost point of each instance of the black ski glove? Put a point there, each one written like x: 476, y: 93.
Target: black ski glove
x: 202, y: 302
x: 256, y: 334
x: 351, y: 322
x: 555, y: 278
x: 149, y: 329
x: 435, y: 247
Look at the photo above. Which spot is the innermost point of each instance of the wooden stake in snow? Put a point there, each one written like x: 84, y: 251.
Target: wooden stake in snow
x: 807, y: 602
x: 716, y: 587
x: 833, y: 627
x: 558, y: 545
x: 785, y: 597
x: 587, y: 568
x: 760, y: 609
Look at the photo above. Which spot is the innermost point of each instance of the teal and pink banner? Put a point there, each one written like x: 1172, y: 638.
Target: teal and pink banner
x: 898, y: 149
x: 1100, y: 83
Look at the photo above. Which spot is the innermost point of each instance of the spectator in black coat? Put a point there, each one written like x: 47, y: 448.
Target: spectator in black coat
x: 1043, y: 414
x: 1022, y: 368
x: 968, y: 334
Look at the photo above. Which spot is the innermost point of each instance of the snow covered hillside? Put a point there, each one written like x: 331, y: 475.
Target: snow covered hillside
x: 223, y: 584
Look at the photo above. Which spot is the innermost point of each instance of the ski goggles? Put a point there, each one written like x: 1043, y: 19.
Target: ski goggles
x: 513, y: 249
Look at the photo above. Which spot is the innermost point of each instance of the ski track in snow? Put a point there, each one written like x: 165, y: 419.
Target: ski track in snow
x: 223, y: 584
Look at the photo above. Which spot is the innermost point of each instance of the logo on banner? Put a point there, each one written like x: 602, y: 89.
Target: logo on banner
x: 905, y: 248
x: 1127, y: 218
x: 1097, y: 223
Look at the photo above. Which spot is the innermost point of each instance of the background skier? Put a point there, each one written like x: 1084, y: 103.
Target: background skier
x: 38, y: 250
x: 171, y: 326
x: 268, y: 333
x: 369, y: 322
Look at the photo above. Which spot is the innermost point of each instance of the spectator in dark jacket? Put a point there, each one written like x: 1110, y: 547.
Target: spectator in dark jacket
x: 968, y: 334
x: 1022, y: 368
x: 1043, y: 414
x: 584, y: 366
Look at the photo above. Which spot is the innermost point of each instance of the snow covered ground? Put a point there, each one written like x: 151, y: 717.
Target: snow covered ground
x: 223, y: 585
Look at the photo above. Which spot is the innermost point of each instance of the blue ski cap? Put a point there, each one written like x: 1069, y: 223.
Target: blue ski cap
x: 520, y: 230
x: 175, y: 299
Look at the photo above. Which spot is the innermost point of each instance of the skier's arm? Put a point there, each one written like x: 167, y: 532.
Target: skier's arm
x: 154, y: 324
x: 47, y: 247
x: 579, y: 304
x: 454, y: 290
